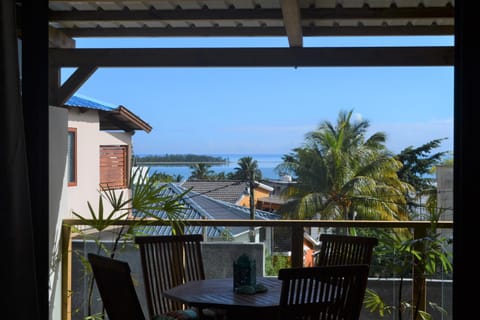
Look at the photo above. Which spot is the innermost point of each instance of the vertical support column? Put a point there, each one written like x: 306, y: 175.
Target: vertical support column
x: 66, y: 272
x: 419, y: 288
x: 53, y: 85
x: 465, y: 167
x: 297, y: 246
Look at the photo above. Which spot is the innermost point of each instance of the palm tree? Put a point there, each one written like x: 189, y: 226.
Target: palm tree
x: 247, y: 167
x: 201, y: 171
x: 248, y: 171
x: 342, y: 175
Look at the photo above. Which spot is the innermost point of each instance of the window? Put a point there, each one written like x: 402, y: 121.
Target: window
x: 72, y: 157
x: 113, y: 167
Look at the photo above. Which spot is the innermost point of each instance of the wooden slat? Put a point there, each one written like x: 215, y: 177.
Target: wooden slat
x: 113, y: 165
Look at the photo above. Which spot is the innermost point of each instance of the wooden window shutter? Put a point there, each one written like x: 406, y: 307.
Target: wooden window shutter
x: 113, y: 167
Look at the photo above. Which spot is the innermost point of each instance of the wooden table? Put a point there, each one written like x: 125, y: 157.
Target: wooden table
x: 219, y: 294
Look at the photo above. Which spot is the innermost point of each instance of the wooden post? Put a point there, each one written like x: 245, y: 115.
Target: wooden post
x: 419, y: 287
x: 66, y: 272
x: 297, y: 246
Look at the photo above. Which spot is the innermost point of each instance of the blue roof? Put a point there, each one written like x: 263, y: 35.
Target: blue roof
x: 83, y: 102
x: 199, y: 206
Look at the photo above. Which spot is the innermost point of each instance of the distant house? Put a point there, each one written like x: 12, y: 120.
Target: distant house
x: 201, y: 206
x: 99, y: 150
x: 274, y: 200
x: 232, y: 191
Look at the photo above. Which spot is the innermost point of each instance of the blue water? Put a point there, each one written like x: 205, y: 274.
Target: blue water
x: 266, y: 164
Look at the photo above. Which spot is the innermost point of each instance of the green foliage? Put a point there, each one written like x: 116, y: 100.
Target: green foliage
x: 118, y: 212
x: 147, y: 198
x: 273, y: 263
x: 246, y: 170
x: 397, y: 254
x: 418, y: 163
x: 163, y: 177
x: 201, y: 171
x: 343, y: 174
x: 226, y: 235
x: 374, y: 303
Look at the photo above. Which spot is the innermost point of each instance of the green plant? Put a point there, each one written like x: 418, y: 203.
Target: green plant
x: 429, y: 255
x: 147, y: 198
x: 273, y: 263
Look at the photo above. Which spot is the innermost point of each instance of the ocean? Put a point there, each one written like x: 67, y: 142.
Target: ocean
x: 266, y: 164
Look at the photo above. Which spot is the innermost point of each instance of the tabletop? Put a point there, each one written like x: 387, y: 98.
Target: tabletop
x: 219, y: 293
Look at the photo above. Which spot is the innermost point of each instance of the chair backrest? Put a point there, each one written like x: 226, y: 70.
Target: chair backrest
x: 343, y: 249
x: 168, y: 261
x: 116, y: 288
x: 323, y: 293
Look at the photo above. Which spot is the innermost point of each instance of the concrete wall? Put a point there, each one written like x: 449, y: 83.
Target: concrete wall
x: 218, y: 257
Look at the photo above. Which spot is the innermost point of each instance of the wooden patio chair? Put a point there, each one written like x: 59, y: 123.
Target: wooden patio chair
x: 322, y: 293
x: 343, y: 249
x: 117, y: 291
x: 116, y: 288
x: 168, y: 261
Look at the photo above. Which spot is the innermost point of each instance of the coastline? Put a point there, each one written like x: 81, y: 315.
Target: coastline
x: 266, y: 164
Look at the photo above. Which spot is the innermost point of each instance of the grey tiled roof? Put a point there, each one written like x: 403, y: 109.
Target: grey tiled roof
x: 230, y: 191
x: 199, y: 206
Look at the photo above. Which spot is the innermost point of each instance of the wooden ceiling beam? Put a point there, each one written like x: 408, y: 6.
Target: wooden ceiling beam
x: 254, y: 57
x: 341, y: 13
x: 292, y: 22
x: 59, y: 94
x: 172, y: 15
x: 253, y: 14
x: 432, y: 30
x: 58, y: 39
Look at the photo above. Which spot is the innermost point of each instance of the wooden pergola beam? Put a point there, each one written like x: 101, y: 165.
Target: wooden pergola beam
x: 74, y: 82
x: 242, y: 31
x: 340, y: 13
x: 254, y: 57
x: 292, y: 22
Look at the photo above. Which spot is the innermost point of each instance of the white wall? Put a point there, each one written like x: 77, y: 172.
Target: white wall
x: 64, y: 199
x: 89, y: 138
x: 58, y: 202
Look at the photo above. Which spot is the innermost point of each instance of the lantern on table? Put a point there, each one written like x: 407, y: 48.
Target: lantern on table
x: 244, y: 272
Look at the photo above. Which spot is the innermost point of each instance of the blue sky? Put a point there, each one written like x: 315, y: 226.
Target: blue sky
x: 269, y: 110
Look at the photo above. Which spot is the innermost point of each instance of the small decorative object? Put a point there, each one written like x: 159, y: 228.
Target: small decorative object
x: 244, y: 272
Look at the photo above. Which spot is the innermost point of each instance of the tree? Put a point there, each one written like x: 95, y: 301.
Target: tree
x: 418, y: 164
x: 163, y: 177
x: 341, y: 174
x: 246, y: 166
x: 201, y: 171
x: 248, y: 171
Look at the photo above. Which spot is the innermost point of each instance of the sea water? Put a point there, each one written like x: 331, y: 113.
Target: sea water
x: 266, y: 163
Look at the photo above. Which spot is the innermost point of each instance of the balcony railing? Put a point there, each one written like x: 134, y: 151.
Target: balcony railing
x: 418, y: 228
